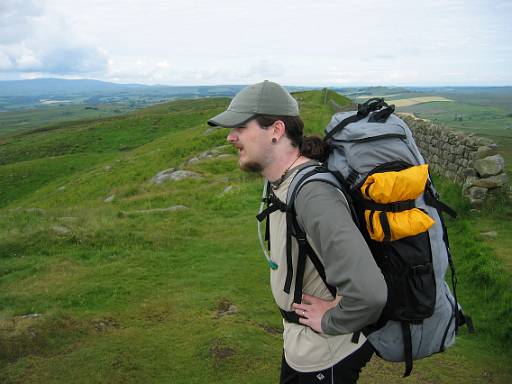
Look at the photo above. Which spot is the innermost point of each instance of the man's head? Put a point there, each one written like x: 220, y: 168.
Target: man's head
x: 265, y: 124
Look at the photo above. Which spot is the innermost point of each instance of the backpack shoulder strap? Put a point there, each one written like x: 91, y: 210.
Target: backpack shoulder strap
x: 305, y: 176
x: 318, y: 173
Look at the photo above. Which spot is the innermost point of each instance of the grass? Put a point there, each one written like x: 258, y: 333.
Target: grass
x: 483, y: 269
x: 90, y: 295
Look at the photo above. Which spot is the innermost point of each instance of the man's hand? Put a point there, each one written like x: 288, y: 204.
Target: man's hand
x: 312, y: 310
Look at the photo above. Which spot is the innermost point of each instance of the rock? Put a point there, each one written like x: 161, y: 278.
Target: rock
x: 229, y: 188
x: 162, y: 176
x: 35, y: 210
x: 225, y: 156
x: 109, y: 199
x: 107, y: 168
x: 226, y: 308
x: 155, y: 210
x: 215, y: 152
x: 490, y: 234
x: 490, y: 166
x: 105, y: 324
x: 485, y: 151
x: 491, y: 181
x: 182, y: 174
x: 174, y: 175
x: 232, y: 309
x: 31, y: 315
x: 209, y: 131
x: 477, y: 195
x: 59, y: 230
x: 468, y: 172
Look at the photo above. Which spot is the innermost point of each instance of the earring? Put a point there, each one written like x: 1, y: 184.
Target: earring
x: 274, y: 140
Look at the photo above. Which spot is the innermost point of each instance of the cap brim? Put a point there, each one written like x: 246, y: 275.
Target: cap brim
x: 230, y: 119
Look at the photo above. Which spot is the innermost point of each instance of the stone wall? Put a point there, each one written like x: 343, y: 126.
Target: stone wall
x: 471, y: 161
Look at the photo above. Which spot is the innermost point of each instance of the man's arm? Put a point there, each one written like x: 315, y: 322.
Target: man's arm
x: 323, y: 213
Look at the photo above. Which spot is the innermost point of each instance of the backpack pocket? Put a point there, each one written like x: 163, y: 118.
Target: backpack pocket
x: 407, y: 268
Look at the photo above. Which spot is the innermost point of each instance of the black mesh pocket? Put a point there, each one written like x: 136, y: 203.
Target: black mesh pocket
x: 407, y: 268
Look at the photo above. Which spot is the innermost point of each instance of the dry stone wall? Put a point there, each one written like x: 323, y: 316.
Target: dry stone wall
x: 473, y: 162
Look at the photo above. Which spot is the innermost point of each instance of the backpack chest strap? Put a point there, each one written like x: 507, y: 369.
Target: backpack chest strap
x: 274, y: 204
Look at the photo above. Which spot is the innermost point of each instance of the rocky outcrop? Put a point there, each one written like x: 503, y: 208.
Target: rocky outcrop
x: 174, y: 174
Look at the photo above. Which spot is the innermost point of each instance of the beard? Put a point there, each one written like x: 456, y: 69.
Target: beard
x: 252, y: 167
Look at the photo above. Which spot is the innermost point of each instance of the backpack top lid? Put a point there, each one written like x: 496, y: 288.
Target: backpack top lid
x: 365, y: 129
x: 360, y: 144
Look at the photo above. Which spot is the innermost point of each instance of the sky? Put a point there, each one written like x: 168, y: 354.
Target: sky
x: 294, y: 42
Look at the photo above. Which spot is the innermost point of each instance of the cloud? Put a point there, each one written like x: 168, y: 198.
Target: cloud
x: 5, y: 62
x: 33, y: 40
x: 16, y: 19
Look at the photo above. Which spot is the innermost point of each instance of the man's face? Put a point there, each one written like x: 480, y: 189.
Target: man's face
x: 253, y: 144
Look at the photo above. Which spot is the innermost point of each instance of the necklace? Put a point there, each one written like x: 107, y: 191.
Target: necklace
x: 279, y: 181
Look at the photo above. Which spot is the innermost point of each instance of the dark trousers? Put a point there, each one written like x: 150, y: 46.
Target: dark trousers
x: 345, y: 372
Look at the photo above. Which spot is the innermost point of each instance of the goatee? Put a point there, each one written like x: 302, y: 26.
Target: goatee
x: 252, y: 167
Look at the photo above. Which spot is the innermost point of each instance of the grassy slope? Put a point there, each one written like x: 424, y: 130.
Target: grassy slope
x: 136, y: 298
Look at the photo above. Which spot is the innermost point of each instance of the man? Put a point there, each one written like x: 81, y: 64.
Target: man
x: 320, y: 347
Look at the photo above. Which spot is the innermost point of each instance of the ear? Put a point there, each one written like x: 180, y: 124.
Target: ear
x: 279, y: 129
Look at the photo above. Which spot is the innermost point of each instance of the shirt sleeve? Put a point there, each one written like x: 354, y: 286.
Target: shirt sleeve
x: 323, y: 213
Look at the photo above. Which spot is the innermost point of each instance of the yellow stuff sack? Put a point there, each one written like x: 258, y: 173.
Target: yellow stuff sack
x: 401, y: 224
x: 388, y: 187
x: 395, y: 186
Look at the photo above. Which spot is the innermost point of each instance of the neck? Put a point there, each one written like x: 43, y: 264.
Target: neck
x: 278, y: 168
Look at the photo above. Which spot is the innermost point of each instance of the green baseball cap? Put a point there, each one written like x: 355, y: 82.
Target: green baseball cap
x: 265, y: 98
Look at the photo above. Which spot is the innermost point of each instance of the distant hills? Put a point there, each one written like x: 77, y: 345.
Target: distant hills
x: 60, y: 87
x: 29, y: 93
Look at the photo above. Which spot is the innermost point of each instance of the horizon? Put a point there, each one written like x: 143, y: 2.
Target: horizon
x: 284, y: 84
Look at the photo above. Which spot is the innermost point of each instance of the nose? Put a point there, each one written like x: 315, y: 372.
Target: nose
x: 231, y: 138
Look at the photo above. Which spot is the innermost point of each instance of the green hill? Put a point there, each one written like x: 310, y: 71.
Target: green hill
x: 107, y: 277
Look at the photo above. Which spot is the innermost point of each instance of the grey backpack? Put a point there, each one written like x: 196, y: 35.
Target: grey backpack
x: 368, y: 147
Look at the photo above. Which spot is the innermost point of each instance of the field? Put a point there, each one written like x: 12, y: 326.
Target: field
x: 400, y: 101
x: 416, y: 100
x: 19, y: 120
x: 95, y: 289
